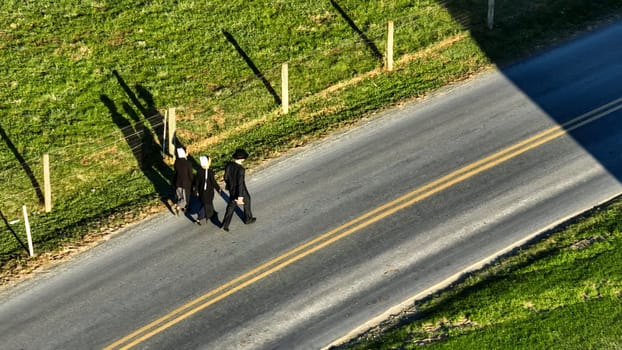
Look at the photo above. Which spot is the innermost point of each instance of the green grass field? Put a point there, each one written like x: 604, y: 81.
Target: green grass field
x: 87, y: 82
x: 563, y: 292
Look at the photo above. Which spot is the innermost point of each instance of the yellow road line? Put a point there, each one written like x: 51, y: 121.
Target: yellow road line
x: 358, y: 223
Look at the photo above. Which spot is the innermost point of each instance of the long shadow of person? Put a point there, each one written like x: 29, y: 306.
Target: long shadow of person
x: 143, y: 100
x: 148, y: 109
x: 140, y: 139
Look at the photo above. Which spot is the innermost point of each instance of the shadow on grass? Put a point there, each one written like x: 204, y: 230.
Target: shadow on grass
x: 149, y: 110
x: 141, y: 130
x: 368, y: 42
x: 252, y: 66
x: 10, y: 229
x: 150, y: 113
x: 24, y: 165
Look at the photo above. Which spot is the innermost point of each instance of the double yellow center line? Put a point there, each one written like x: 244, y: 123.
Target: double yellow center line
x: 377, y: 214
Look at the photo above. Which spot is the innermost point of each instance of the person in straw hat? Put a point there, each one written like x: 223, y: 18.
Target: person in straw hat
x: 236, y: 185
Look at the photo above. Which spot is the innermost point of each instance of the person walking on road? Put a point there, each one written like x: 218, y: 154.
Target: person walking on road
x: 205, y: 185
x: 183, y: 180
x: 236, y: 185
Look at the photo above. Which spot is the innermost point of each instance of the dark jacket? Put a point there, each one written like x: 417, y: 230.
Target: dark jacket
x: 183, y: 173
x: 205, y: 185
x: 234, y: 179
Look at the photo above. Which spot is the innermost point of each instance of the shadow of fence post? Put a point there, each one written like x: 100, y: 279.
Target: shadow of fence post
x: 370, y: 44
x: 8, y: 226
x: 253, y: 67
x: 24, y: 165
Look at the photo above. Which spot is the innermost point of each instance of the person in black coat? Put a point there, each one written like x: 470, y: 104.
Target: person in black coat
x: 238, y: 193
x: 205, y: 185
x: 183, y: 180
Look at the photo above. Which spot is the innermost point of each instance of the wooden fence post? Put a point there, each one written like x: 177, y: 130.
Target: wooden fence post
x: 171, y: 131
x: 285, y: 88
x: 31, y: 250
x: 390, y: 47
x: 46, y: 183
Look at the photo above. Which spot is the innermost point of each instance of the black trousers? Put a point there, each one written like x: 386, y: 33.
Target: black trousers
x: 248, y: 214
x: 207, y: 211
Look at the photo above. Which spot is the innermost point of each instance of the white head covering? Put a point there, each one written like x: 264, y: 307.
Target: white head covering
x: 204, y: 164
x: 181, y: 153
x: 204, y: 161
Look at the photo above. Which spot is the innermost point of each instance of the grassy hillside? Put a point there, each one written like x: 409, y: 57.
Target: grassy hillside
x: 89, y: 81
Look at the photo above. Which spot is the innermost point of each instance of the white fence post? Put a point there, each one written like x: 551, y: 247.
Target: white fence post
x: 390, y: 47
x: 46, y: 183
x: 28, y: 235
x: 285, y: 88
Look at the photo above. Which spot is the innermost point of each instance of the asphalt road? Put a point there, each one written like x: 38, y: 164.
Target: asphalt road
x: 353, y: 226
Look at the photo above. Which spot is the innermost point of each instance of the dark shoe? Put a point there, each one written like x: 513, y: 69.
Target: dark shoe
x: 250, y: 221
x: 198, y: 222
x: 226, y: 229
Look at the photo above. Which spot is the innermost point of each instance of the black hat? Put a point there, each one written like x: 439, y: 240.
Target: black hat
x: 240, y: 154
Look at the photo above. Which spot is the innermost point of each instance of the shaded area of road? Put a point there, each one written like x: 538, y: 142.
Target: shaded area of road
x: 561, y: 85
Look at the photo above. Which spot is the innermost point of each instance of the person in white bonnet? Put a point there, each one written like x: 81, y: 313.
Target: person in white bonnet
x: 205, y: 185
x: 182, y: 181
